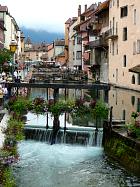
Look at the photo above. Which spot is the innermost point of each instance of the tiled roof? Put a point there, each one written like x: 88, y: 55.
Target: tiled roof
x: 44, y: 56
x: 103, y: 6
x: 22, y: 35
x: 3, y: 8
x: 68, y: 21
x: 90, y: 9
x: 81, y: 23
x: 28, y: 40
x: 59, y: 42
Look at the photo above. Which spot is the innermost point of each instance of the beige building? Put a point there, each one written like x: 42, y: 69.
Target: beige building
x: 124, y: 43
x: 124, y: 102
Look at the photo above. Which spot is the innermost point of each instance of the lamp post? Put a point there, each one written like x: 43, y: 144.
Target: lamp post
x: 13, y: 48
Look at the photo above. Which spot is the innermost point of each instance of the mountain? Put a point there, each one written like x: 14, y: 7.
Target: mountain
x: 38, y: 36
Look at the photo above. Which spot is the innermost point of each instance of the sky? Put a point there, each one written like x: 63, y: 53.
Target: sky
x: 49, y: 15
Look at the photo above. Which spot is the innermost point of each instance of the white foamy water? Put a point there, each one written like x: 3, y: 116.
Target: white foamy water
x: 61, y: 165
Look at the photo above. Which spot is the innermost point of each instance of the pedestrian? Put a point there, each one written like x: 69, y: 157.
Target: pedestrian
x: 5, y: 93
x: 1, y: 96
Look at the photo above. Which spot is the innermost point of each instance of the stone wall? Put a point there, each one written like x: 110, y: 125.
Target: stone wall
x: 123, y: 149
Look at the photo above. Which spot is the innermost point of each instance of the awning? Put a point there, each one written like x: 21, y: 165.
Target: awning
x: 135, y: 69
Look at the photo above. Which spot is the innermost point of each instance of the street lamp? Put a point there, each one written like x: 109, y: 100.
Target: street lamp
x: 13, y: 48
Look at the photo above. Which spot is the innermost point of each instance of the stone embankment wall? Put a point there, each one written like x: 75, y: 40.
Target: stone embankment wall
x: 123, y: 149
x: 3, y: 125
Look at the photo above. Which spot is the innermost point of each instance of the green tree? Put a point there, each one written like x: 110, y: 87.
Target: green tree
x: 5, y: 55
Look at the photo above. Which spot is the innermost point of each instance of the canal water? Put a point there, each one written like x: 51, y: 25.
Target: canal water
x: 80, y: 163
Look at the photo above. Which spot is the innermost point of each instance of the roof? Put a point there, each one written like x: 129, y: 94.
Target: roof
x: 68, y: 21
x: 90, y: 9
x: 37, y: 47
x: 28, y: 40
x: 135, y: 69
x: 103, y: 6
x: 59, y: 42
x: 82, y: 22
x: 22, y: 35
x: 3, y: 8
x: 44, y: 56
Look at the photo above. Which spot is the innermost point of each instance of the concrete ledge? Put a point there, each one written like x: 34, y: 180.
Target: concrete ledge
x: 3, y: 124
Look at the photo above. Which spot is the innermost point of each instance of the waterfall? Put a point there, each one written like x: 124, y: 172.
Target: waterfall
x: 83, y: 136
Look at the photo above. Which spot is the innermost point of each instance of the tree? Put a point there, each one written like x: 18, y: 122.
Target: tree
x: 5, y: 55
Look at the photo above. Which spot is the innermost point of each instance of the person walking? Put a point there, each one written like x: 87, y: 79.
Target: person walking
x: 1, y: 97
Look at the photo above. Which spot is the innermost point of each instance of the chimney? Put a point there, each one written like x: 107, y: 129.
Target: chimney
x: 85, y: 8
x: 79, y: 10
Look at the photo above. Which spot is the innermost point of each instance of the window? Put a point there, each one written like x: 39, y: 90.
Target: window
x: 73, y: 56
x: 110, y: 5
x: 123, y: 115
x: 79, y: 40
x: 134, y: 48
x: 116, y: 28
x: 117, y: 3
x: 138, y: 79
x: 138, y: 105
x: 134, y: 17
x: 73, y: 41
x: 138, y: 46
x: 110, y: 47
x: 113, y: 2
x: 133, y: 79
x: 133, y: 100
x: 113, y: 48
x: 124, y: 33
x: 116, y: 49
x: 78, y: 55
x: 124, y: 11
x: 124, y: 60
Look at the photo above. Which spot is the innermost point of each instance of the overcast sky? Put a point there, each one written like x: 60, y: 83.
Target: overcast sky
x: 49, y: 15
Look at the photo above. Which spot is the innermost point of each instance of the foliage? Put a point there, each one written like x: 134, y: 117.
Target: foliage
x: 95, y: 110
x: 134, y: 115
x: 18, y: 104
x: 38, y: 105
x: 9, y: 154
x: 5, y: 55
x: 6, y: 177
x: 133, y: 128
x: 79, y: 107
x: 100, y: 110
x: 59, y: 107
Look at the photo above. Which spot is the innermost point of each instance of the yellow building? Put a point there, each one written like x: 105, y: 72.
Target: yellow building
x: 124, y: 43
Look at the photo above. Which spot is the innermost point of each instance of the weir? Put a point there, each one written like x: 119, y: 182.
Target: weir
x: 83, y: 136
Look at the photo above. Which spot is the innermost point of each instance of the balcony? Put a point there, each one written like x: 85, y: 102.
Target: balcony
x: 100, y: 43
x: 113, y: 33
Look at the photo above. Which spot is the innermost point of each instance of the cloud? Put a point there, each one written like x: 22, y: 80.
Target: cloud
x: 46, y: 14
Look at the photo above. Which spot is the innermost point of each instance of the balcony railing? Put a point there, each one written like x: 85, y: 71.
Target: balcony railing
x: 96, y: 44
x: 113, y: 33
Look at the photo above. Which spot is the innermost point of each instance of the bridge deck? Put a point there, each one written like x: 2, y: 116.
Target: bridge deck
x: 76, y: 85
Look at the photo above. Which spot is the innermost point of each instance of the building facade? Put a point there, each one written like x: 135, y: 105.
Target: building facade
x: 124, y: 43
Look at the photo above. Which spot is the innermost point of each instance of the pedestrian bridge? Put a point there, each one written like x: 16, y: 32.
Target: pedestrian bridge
x: 55, y: 85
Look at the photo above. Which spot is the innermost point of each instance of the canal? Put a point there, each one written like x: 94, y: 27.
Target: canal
x: 78, y: 163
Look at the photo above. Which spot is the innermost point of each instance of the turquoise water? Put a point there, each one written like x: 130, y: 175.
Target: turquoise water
x: 61, y: 165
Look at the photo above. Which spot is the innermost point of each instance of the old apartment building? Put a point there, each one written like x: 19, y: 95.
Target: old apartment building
x: 124, y: 42
x: 109, y: 42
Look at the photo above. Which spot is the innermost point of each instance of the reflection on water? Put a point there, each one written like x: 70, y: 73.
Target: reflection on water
x: 60, y: 165
x: 64, y: 165
x: 124, y: 102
